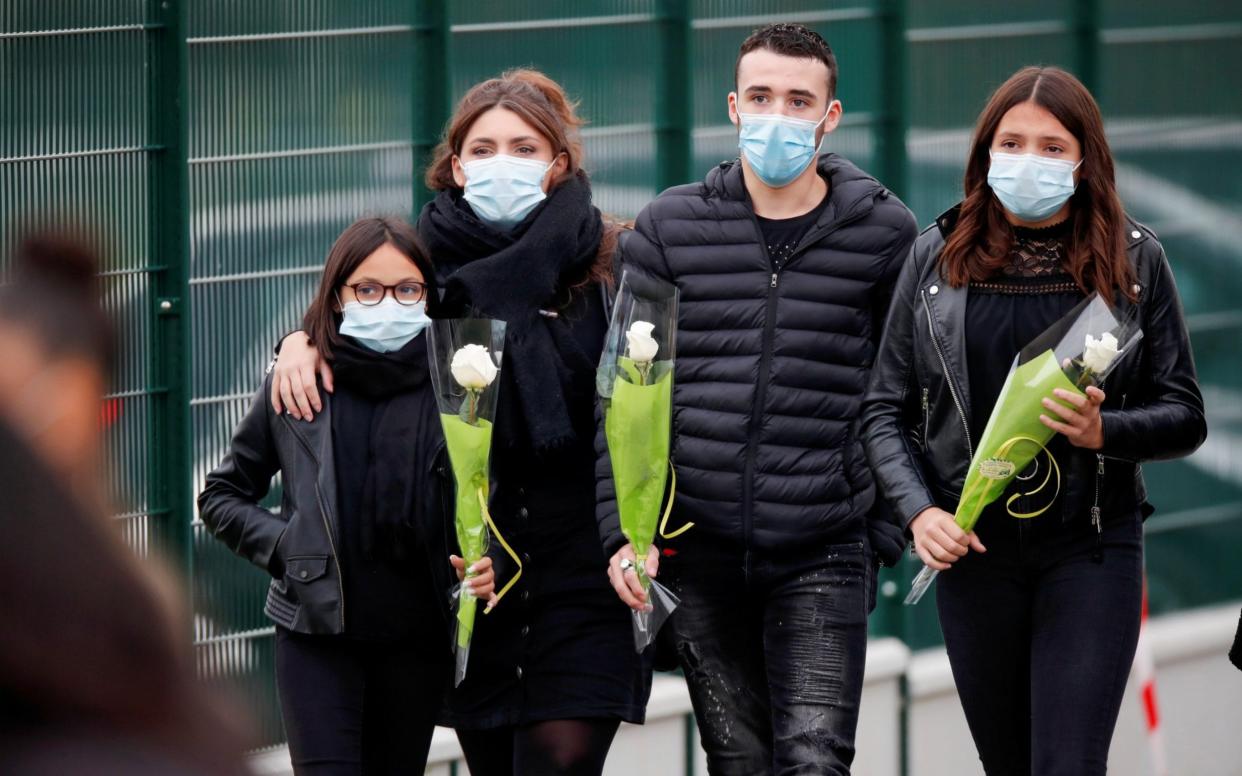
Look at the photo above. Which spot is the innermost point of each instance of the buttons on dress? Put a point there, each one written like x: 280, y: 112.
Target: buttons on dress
x: 525, y: 595
x: 1136, y: 234
x: 934, y: 290
x: 302, y: 573
x: 525, y: 631
x: 523, y: 513
x: 1136, y: 288
x: 519, y: 672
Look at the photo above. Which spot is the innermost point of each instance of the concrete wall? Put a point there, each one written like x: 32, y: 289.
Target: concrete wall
x: 1200, y: 696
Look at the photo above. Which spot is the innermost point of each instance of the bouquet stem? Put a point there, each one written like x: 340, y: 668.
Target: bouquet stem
x: 920, y: 585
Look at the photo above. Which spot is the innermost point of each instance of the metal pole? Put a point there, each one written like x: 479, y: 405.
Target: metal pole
x: 432, y: 90
x: 892, y: 161
x: 1086, y: 26
x: 674, y: 90
x: 171, y: 500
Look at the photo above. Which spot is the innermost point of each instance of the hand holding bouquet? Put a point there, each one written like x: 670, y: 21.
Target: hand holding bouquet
x: 1075, y: 353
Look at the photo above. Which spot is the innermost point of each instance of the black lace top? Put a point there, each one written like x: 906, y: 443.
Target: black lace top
x: 1003, y: 314
x: 1036, y: 263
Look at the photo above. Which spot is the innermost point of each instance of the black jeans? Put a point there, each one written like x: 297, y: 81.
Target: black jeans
x: 1041, y: 638
x: 355, y: 707
x: 773, y: 648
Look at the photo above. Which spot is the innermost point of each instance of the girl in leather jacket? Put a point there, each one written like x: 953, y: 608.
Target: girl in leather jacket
x: 1040, y: 616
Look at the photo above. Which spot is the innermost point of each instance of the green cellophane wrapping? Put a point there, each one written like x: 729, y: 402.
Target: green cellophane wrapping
x: 468, y: 449
x: 637, y: 425
x: 1014, y: 433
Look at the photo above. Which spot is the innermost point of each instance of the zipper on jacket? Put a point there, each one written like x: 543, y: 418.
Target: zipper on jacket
x: 926, y: 420
x: 1096, y: 515
x: 323, y: 513
x: 948, y: 378
x: 765, y: 366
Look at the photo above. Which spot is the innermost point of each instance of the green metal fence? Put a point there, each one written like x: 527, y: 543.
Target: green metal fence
x: 218, y: 146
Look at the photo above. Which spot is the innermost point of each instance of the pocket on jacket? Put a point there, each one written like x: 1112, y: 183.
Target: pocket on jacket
x: 306, y: 568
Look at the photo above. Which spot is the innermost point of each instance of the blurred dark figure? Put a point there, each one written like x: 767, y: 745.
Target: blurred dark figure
x: 96, y: 673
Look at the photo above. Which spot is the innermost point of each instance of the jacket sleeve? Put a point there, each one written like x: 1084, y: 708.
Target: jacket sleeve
x: 885, y: 531
x: 893, y: 462
x: 894, y: 261
x: 606, y: 513
x: 229, y: 503
x: 643, y: 250
x: 1165, y: 420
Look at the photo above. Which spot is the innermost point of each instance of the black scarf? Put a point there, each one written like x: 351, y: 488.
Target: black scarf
x: 404, y: 435
x: 512, y: 276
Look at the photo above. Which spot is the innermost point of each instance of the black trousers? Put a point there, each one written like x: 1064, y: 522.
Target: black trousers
x: 1041, y: 636
x: 354, y: 707
x: 773, y: 648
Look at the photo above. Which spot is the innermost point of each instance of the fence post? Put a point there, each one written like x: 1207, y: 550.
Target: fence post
x: 170, y: 468
x: 892, y: 162
x: 1086, y: 25
x: 432, y: 88
x: 674, y: 88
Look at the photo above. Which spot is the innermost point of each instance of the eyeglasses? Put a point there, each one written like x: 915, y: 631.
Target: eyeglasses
x: 370, y: 294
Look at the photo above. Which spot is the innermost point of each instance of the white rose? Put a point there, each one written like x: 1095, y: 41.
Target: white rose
x: 643, y: 346
x: 1099, y: 353
x: 473, y: 367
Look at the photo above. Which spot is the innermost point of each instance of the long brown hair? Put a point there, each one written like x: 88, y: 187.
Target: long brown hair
x: 981, y: 240
x: 359, y: 240
x: 542, y: 103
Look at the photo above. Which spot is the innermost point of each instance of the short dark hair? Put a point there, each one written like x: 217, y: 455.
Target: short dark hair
x: 359, y: 240
x: 791, y: 40
x: 55, y: 293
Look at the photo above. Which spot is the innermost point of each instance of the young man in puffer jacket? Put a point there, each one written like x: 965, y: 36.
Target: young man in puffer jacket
x: 785, y: 261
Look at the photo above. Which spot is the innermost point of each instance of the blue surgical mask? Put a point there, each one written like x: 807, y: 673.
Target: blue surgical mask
x: 502, y: 190
x: 384, y: 327
x: 1030, y: 186
x: 778, y: 148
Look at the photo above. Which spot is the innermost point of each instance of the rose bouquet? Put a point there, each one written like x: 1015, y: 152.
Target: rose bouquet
x: 465, y: 364
x: 1076, y: 352
x: 635, y: 384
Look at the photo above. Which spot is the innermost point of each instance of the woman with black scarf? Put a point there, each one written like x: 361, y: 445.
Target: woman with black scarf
x: 358, y: 552
x: 553, y: 670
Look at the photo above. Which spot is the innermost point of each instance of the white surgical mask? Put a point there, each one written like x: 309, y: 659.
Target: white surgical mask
x: 502, y: 189
x: 778, y: 148
x: 384, y: 327
x: 1030, y: 186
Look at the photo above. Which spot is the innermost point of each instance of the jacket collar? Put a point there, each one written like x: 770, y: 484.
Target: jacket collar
x: 850, y: 190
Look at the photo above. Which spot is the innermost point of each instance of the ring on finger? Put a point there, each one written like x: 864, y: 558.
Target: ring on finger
x: 626, y: 564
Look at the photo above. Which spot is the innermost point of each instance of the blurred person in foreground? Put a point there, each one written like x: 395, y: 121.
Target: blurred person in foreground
x: 94, y: 677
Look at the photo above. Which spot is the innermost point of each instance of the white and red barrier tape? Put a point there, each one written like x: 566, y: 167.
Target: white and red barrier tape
x: 1144, y: 673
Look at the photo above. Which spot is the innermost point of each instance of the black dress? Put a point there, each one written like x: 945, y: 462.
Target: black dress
x: 559, y: 646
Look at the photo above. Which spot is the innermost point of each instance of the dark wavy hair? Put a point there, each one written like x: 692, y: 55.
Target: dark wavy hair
x: 980, y: 242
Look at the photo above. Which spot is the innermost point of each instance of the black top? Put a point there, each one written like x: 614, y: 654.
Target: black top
x: 782, y: 235
x: 388, y: 600
x: 1003, y: 314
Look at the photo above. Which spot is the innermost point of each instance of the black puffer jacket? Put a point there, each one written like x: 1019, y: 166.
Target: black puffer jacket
x: 298, y: 545
x: 915, y: 415
x: 771, y: 367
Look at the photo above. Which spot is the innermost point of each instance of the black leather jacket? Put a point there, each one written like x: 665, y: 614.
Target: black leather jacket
x: 917, y: 406
x: 298, y: 544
